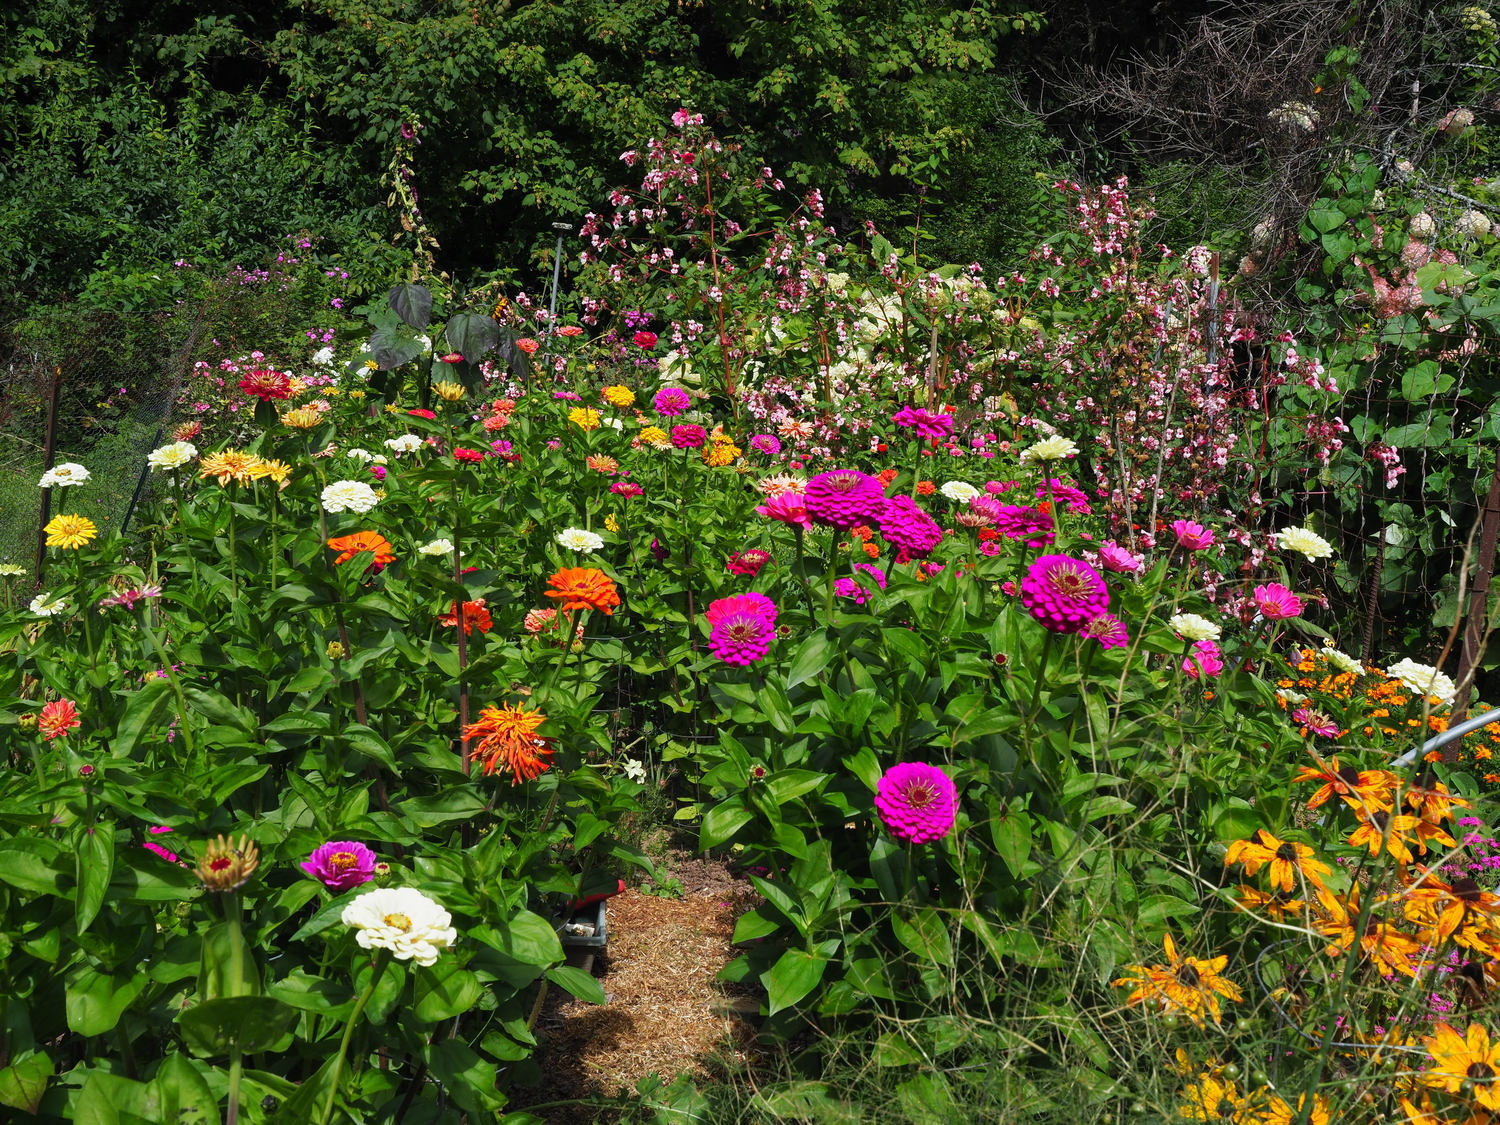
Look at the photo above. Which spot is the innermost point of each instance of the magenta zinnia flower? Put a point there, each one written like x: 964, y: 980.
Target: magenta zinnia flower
x: 1118, y: 559
x: 748, y: 562
x: 1108, y: 630
x: 844, y: 498
x: 909, y: 529
x: 671, y: 401
x: 1316, y: 722
x: 1192, y: 536
x: 926, y: 425
x: 626, y: 488
x: 721, y: 608
x: 788, y: 507
x: 741, y: 636
x: 917, y: 802
x: 1205, y: 658
x: 1015, y: 521
x: 689, y: 436
x: 850, y: 587
x: 1075, y: 498
x: 1276, y: 602
x: 768, y: 444
x: 1064, y: 593
x: 341, y: 864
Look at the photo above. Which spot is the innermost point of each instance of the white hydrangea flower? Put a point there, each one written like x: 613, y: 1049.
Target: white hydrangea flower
x: 1472, y: 224
x: 1421, y: 225
x: 406, y: 443
x: 959, y: 491
x: 436, y: 547
x: 45, y: 605
x: 323, y: 357
x: 577, y: 539
x: 1304, y: 542
x: 364, y: 456
x: 349, y: 496
x: 1053, y: 448
x: 173, y: 456
x: 1194, y: 628
x: 1424, y: 678
x: 63, y: 476
x: 403, y: 920
x: 1342, y: 660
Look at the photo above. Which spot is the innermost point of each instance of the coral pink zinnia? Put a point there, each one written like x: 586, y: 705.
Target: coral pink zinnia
x: 844, y: 498
x: 787, y: 507
x: 917, y: 802
x: 1205, y: 658
x: 748, y: 562
x: 1118, y: 559
x: 1276, y: 602
x: 1064, y: 593
x: 57, y: 719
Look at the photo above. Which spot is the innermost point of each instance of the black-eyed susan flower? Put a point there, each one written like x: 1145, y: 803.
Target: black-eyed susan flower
x: 1287, y: 860
x: 1388, y: 948
x: 1189, y: 985
x: 1469, y: 1061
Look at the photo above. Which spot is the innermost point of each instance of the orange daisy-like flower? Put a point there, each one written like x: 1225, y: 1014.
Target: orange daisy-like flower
x: 508, y: 741
x: 1362, y: 789
x: 1286, y: 859
x: 230, y: 465
x: 1280, y: 904
x: 474, y: 614
x: 601, y: 463
x: 1444, y: 907
x: 583, y: 587
x: 1189, y: 985
x: 57, y: 719
x: 1430, y: 799
x: 371, y: 541
x: 1469, y: 1058
x: 1380, y: 830
x: 1390, y: 949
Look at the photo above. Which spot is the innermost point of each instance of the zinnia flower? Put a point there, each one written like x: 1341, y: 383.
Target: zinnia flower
x: 959, y: 491
x: 45, y: 605
x: 645, y: 340
x: 626, y: 488
x: 1063, y: 593
x: 1341, y: 660
x: 173, y: 456
x: 57, y: 719
x: 620, y: 396
x: 475, y: 616
x: 1119, y: 559
x: 601, y: 464
x: 1053, y: 448
x: 447, y: 390
x: 267, y: 385
x: 406, y: 443
x: 469, y: 456
x: 577, y: 539
x: 917, y: 802
x: 688, y: 436
x: 508, y: 741
x: 1316, y: 722
x: 70, y: 532
x: 348, y: 496
x: 65, y: 475
x: 768, y: 444
x: 128, y: 598
x: 403, y: 920
x: 1108, y: 630
x: 927, y: 426
x: 279, y: 472
x: 540, y: 621
x: 788, y: 507
x: 1423, y: 678
x: 1304, y: 542
x: 340, y: 864
x: 227, y: 863
x: 721, y: 608
x: 1193, y: 627
x: 436, y: 547
x: 1031, y: 525
x: 229, y: 465
x: 781, y: 482
x: 741, y: 636
x: 1276, y: 602
x: 1205, y: 658
x: 748, y: 562
x: 851, y: 588
x: 303, y: 418
x: 844, y: 498
x: 671, y: 401
x: 420, y: 413
x: 908, y: 528
x: 1075, y: 498
x: 583, y: 588
x: 359, y: 542
x: 584, y: 417
x: 1192, y: 536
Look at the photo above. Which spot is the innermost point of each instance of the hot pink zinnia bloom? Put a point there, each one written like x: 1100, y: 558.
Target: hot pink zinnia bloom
x: 741, y: 637
x: 748, y: 562
x: 626, y: 488
x: 850, y: 588
x: 786, y: 507
x: 1205, y: 658
x: 689, y: 436
x: 671, y: 401
x: 844, y: 498
x: 1018, y: 522
x: 918, y: 803
x: 1192, y: 536
x: 1276, y: 602
x: 1316, y: 722
x: 1064, y: 593
x: 1120, y: 560
x: 769, y: 444
x: 721, y: 608
x: 1108, y: 630
x: 908, y: 528
x: 1075, y: 498
x: 927, y: 425
x: 341, y: 864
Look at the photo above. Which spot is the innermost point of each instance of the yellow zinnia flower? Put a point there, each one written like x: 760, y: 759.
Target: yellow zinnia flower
x: 585, y: 418
x: 70, y: 532
x: 620, y: 396
x: 230, y: 465
x: 610, y: 523
x: 449, y: 391
x: 303, y: 418
x: 653, y: 435
x: 278, y: 471
x: 720, y: 454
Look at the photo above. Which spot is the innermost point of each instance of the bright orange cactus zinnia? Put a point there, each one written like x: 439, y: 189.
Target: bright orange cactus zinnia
x: 371, y: 541
x: 583, y: 587
x: 508, y: 741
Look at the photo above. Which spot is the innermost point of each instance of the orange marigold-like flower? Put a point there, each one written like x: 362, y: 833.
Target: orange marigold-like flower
x: 57, y: 719
x: 583, y: 588
x: 508, y: 741
x: 474, y: 614
x: 230, y: 465
x: 371, y: 541
x: 601, y: 463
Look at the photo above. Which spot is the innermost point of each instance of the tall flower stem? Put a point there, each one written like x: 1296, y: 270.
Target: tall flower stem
x: 381, y: 960
x: 1041, y: 675
x: 236, y: 1069
x: 182, y: 708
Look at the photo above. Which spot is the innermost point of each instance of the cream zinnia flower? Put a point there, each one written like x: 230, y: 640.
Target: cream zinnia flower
x: 406, y: 443
x: 63, y: 476
x: 1304, y: 542
x: 403, y: 920
x: 1424, y: 678
x: 960, y: 492
x: 1053, y: 448
x: 11, y: 570
x: 173, y: 456
x: 364, y: 456
x: 577, y: 539
x: 1342, y: 660
x: 1194, y: 628
x: 349, y: 496
x: 45, y: 605
x: 436, y: 547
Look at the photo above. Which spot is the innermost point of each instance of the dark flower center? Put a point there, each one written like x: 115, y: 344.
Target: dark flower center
x: 1349, y: 775
x: 1287, y: 852
x: 920, y: 795
x: 1468, y: 890
x: 1380, y: 819
x: 1480, y: 1070
x: 1188, y: 976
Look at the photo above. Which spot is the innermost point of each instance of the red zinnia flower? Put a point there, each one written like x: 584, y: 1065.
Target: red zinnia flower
x: 474, y: 614
x: 57, y: 719
x: 472, y: 455
x: 429, y: 415
x: 645, y: 339
x: 267, y: 385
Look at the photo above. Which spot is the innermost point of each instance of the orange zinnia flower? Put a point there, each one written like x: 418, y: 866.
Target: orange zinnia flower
x: 371, y: 541
x: 583, y: 588
x: 58, y: 719
x: 508, y: 741
x: 474, y: 614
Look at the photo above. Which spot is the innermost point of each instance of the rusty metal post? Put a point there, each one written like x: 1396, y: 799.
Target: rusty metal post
x: 1479, y: 604
x: 49, y: 453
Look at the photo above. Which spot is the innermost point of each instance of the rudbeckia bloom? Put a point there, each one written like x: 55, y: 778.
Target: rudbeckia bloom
x: 1287, y: 860
x: 372, y: 541
x: 1361, y: 789
x: 1471, y: 1058
x: 583, y: 588
x: 1186, y: 984
x: 508, y: 741
x: 70, y: 532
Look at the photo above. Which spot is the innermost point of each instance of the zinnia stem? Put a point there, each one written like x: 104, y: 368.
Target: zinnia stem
x: 1041, y: 675
x: 236, y: 1068
x: 381, y: 960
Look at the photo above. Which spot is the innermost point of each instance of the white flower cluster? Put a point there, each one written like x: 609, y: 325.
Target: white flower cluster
x: 1478, y: 24
x: 577, y: 539
x: 1421, y: 225
x: 65, y: 475
x: 1424, y: 678
x: 349, y: 496
x: 1472, y: 224
x: 173, y: 456
x: 1295, y: 115
x: 364, y: 456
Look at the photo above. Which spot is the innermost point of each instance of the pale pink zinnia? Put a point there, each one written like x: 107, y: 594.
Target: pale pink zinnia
x: 1192, y: 536
x: 1276, y: 602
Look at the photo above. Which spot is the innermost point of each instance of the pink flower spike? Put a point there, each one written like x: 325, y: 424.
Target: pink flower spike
x: 1276, y: 602
x: 1192, y: 536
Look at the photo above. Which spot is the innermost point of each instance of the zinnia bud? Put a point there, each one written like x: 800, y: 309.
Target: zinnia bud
x: 449, y: 391
x: 336, y: 651
x: 227, y: 863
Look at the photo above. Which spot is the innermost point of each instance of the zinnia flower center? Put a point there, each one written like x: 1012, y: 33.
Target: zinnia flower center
x: 220, y: 863
x: 398, y: 921
x: 342, y: 861
x: 1069, y: 583
x: 920, y: 795
x: 1480, y: 1070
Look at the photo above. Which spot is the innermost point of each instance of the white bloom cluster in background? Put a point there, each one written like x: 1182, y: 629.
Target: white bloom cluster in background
x: 1295, y: 115
x: 1472, y: 224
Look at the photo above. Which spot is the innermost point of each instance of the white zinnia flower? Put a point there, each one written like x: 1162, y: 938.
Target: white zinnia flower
x: 1424, y: 678
x: 11, y: 570
x: 1295, y: 698
x: 406, y: 443
x: 436, y: 547
x: 577, y: 539
x: 1342, y: 660
x: 634, y: 769
x: 349, y: 496
x: 323, y: 357
x: 173, y: 456
x: 1194, y: 628
x: 1304, y: 542
x: 959, y: 491
x: 365, y: 456
x: 64, y: 475
x: 45, y: 605
x: 1054, y: 448
x: 403, y: 920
